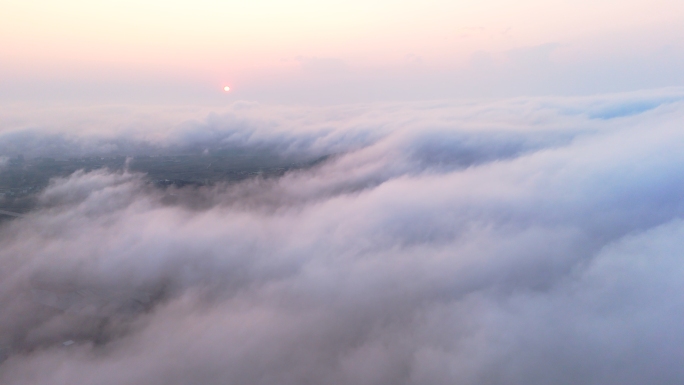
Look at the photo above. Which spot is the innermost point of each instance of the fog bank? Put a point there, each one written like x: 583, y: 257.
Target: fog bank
x: 519, y: 241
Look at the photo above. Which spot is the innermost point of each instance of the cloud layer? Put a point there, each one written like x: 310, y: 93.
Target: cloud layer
x: 524, y: 241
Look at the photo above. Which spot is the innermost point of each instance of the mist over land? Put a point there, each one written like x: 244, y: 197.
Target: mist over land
x: 527, y: 240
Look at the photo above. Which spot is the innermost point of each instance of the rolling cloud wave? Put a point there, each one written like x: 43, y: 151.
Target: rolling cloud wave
x: 525, y: 241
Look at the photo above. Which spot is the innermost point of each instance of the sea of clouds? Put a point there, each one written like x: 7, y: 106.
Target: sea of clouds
x: 521, y: 241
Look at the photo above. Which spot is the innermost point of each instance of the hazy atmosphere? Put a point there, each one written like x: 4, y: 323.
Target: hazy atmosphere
x: 367, y: 193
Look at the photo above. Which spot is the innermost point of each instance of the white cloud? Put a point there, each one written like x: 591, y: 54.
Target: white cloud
x: 523, y: 241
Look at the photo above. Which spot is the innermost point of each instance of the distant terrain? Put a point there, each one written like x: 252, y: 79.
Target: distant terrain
x: 22, y: 179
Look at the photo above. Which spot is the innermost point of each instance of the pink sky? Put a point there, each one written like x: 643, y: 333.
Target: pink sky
x: 335, y: 51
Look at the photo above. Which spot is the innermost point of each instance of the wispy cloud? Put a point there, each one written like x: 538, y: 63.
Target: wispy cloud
x: 519, y: 241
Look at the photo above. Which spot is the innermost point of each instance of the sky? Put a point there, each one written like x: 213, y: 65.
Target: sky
x: 331, y: 52
x: 493, y: 196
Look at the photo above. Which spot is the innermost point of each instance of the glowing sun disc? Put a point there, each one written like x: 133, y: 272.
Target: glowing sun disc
x: 226, y: 88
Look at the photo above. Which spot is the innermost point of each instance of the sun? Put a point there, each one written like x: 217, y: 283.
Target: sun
x: 226, y: 88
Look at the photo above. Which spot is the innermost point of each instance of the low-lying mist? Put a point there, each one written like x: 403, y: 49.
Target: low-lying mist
x: 525, y: 241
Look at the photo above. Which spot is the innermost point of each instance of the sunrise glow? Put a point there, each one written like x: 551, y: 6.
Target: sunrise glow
x: 304, y: 50
x: 341, y: 192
